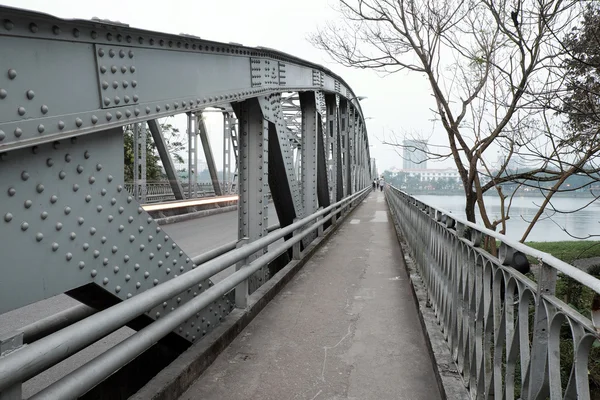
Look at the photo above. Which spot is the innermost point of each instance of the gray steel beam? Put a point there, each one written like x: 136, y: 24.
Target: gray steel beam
x: 208, y: 154
x: 125, y: 75
x: 309, y: 152
x: 323, y: 189
x: 163, y: 152
x: 192, y: 155
x: 344, y: 135
x: 253, y: 186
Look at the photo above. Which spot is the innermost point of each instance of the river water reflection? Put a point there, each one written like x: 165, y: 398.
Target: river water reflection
x: 581, y: 223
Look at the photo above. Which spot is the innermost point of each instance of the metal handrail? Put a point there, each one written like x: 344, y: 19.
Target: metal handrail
x: 483, y: 304
x: 29, y: 361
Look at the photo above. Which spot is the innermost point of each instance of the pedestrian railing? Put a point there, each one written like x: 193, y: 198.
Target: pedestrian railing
x: 23, y: 362
x: 157, y: 192
x: 508, y: 331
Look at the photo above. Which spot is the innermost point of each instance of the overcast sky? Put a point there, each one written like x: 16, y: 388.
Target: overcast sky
x: 397, y: 103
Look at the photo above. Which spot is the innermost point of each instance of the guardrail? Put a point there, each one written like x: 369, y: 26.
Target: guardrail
x: 509, y: 334
x: 157, y: 192
x: 27, y: 361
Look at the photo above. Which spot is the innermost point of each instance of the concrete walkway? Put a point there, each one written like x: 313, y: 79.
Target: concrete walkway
x: 346, y: 327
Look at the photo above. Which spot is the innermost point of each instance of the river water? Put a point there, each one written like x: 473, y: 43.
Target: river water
x: 549, y: 228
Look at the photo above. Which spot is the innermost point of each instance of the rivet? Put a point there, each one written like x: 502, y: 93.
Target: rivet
x: 149, y: 220
x: 168, y: 271
x: 24, y: 226
x: 147, y: 110
x: 39, y: 236
x: 128, y: 113
x: 67, y: 210
x: 130, y: 219
x: 81, y: 265
x: 94, y: 119
x: 115, y: 249
x: 59, y: 226
x: 119, y: 114
x: 167, y: 106
x: 99, y: 208
x: 113, y: 69
x: 88, y: 198
x: 131, y: 52
x: 103, y: 69
x: 133, y: 83
x: 109, y: 36
x: 54, y: 246
x: 157, y: 108
x: 111, y: 53
x: 18, y: 132
x: 151, y: 256
x: 126, y: 258
x: 98, y: 167
x: 72, y: 235
x: 146, y: 274
x: 94, y: 35
x: 30, y: 94
x: 41, y: 128
x: 109, y: 115
x: 160, y: 263
x: 131, y: 238
x: 105, y: 261
x: 92, y: 231
x: 44, y: 215
x: 142, y: 247
x: 105, y: 281
x: 8, y: 217
x: 80, y: 220
x: 109, y: 178
x: 69, y: 256
x: 116, y: 269
x: 96, y: 254
x: 79, y: 169
x: 92, y: 180
x: 121, y: 210
x: 129, y: 295
x: 86, y: 155
x: 2, y: 135
x: 94, y: 273
x: 155, y: 282
x: 126, y: 99
x: 103, y: 192
x: 137, y: 285
x: 11, y: 191
x: 78, y: 122
x: 140, y: 210
x: 8, y: 24
x: 127, y: 278
x: 75, y: 187
x: 21, y: 111
x: 61, y: 125
x: 12, y: 74
x: 86, y: 246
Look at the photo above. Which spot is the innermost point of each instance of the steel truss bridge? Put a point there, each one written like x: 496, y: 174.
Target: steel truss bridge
x: 295, y: 133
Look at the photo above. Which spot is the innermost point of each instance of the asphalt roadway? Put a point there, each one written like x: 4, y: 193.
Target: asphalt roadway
x: 194, y: 237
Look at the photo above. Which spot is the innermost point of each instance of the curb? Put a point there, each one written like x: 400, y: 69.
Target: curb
x: 176, y: 378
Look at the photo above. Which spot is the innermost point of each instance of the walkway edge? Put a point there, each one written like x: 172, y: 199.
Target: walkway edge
x: 176, y: 378
x: 450, y: 381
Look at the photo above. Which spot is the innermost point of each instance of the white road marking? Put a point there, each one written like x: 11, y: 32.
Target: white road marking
x: 355, y: 221
x: 380, y: 216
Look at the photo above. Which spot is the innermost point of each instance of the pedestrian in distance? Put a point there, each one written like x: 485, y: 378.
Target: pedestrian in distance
x: 374, y: 184
x: 381, y: 183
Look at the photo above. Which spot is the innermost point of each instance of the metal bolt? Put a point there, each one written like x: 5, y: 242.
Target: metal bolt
x: 12, y: 74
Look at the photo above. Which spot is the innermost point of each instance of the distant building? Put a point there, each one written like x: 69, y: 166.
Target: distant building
x: 425, y: 175
x: 414, y: 154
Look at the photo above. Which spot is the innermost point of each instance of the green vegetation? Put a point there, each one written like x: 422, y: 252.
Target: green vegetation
x: 568, y: 251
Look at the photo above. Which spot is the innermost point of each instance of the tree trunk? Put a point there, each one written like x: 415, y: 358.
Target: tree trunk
x: 470, y: 206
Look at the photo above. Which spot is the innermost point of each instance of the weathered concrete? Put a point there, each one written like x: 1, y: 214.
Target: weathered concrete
x: 346, y: 327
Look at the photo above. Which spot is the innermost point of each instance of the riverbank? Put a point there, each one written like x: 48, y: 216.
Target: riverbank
x: 533, y: 193
x: 578, y: 253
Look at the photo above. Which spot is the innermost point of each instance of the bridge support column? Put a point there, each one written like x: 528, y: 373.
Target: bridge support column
x: 253, y: 179
x: 323, y: 192
x: 192, y: 155
x: 208, y: 154
x: 139, y: 162
x: 9, y: 343
x: 163, y: 152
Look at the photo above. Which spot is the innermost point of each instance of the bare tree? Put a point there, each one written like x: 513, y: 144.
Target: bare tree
x: 491, y: 67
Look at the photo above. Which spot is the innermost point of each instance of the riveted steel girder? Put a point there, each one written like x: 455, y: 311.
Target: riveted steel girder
x: 208, y: 154
x: 123, y: 75
x: 253, y: 180
x: 165, y: 157
x: 68, y: 224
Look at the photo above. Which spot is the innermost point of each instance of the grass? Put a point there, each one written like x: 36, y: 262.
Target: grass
x: 569, y: 251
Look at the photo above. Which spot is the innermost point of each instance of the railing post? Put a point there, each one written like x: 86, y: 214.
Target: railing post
x: 296, y: 253
x: 334, y: 217
x: 320, y: 228
x: 10, y: 342
x: 538, y: 386
x: 241, y: 290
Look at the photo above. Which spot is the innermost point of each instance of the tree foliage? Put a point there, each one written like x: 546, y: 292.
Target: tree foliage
x: 582, y: 102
